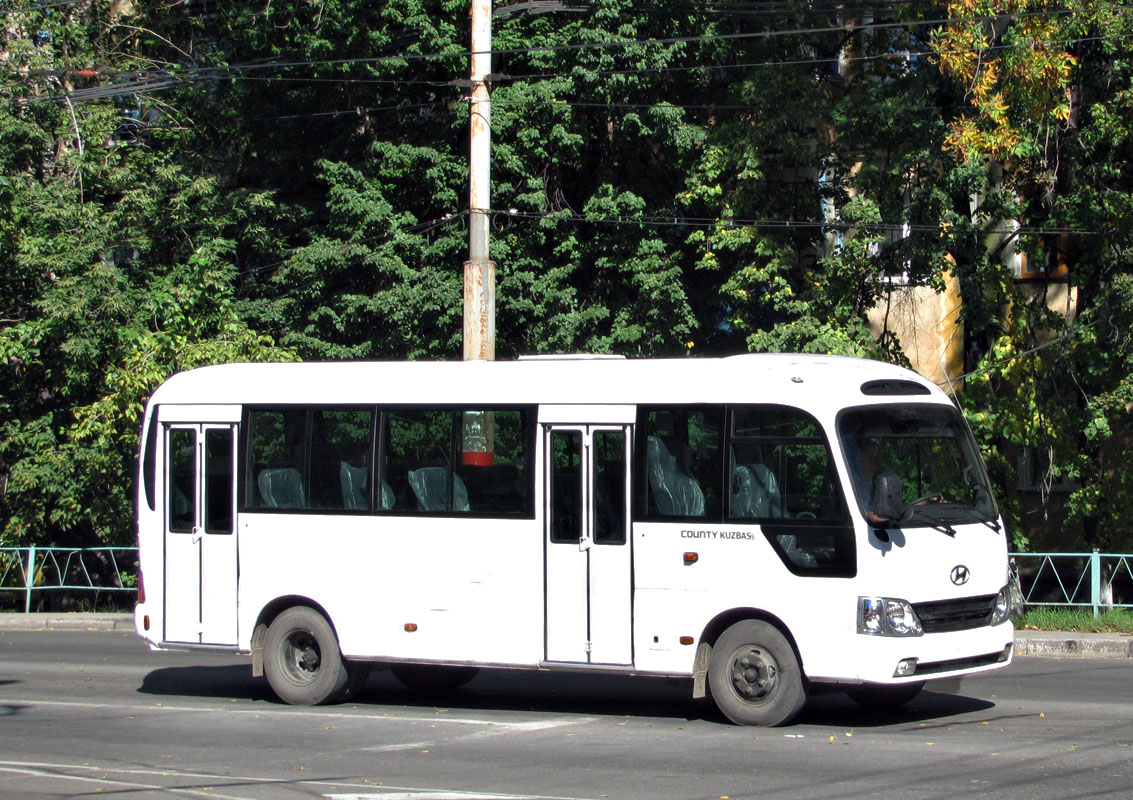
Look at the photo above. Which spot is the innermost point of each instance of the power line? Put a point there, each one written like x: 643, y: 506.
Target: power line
x: 464, y: 54
x: 994, y: 365
x: 150, y: 82
x: 670, y: 221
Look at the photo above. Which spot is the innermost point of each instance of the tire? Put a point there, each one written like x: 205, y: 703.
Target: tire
x: 754, y: 675
x: 433, y: 677
x: 885, y: 697
x: 357, y: 674
x: 301, y: 658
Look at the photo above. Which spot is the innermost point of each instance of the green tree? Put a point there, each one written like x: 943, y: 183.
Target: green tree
x: 115, y: 270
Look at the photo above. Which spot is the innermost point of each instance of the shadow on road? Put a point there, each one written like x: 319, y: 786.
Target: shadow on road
x: 231, y: 681
x: 541, y: 692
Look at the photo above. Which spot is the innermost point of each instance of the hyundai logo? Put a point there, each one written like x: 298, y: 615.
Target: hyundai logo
x: 960, y: 574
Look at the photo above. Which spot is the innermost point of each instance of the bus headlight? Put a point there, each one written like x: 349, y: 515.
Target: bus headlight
x: 887, y: 616
x: 1002, y: 610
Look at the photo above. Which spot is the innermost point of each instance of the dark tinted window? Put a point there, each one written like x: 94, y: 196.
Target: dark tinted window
x: 431, y: 460
x: 277, y: 459
x: 218, y: 480
x: 494, y: 462
x: 419, y: 468
x: 341, y: 451
x: 566, y: 486
x: 182, y: 500
x: 682, y: 461
x: 781, y: 467
x: 609, y: 487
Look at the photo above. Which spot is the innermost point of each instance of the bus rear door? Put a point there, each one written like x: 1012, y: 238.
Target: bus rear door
x: 200, y: 533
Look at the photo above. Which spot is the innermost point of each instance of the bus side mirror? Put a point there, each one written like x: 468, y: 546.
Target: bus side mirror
x: 887, y: 497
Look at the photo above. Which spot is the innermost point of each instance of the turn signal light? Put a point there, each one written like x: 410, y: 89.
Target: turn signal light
x: 411, y: 627
x: 691, y: 558
x: 687, y: 640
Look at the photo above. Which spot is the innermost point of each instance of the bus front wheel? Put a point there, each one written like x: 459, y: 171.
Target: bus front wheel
x: 754, y: 675
x: 301, y: 658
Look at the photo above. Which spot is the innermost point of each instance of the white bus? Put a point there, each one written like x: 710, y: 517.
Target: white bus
x: 764, y: 526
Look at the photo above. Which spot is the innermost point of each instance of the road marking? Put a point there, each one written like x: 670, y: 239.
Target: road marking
x: 442, y: 718
x: 370, y: 792
x: 440, y: 794
x: 43, y: 771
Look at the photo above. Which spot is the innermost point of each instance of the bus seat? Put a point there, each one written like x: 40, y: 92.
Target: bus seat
x: 765, y: 480
x: 674, y: 492
x: 388, y: 497
x: 281, y: 487
x: 354, y: 480
x: 430, y: 485
x: 749, y: 499
x: 797, y: 556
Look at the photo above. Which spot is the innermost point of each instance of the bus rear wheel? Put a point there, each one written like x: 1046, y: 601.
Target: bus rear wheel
x: 301, y: 658
x: 754, y: 675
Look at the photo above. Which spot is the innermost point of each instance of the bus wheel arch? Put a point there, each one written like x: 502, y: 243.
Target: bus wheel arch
x: 300, y: 655
x: 749, y: 663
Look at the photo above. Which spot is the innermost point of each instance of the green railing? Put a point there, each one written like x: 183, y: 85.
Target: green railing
x: 1081, y: 580
x: 1085, y: 580
x: 28, y: 570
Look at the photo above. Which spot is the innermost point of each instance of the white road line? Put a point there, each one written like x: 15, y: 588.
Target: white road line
x: 368, y: 791
x: 422, y: 793
x: 104, y: 781
x: 443, y: 718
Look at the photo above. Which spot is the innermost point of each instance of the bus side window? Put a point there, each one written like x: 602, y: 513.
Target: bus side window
x: 781, y: 466
x: 277, y: 468
x: 340, y: 458
x: 418, y: 460
x: 493, y: 462
x: 681, y: 462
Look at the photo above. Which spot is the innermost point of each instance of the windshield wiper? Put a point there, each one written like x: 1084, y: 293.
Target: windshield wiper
x: 935, y: 522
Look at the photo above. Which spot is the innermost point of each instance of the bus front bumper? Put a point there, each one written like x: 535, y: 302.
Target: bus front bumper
x: 907, y: 659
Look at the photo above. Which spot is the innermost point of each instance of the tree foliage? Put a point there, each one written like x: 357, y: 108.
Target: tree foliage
x: 192, y: 182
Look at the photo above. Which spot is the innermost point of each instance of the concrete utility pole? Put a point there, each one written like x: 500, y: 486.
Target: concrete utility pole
x: 479, y: 270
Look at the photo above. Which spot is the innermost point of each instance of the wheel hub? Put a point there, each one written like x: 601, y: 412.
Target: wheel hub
x: 303, y: 658
x: 754, y: 674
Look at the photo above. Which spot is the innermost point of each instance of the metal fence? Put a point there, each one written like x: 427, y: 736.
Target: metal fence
x: 87, y: 570
x: 1079, y: 580
x: 1091, y: 580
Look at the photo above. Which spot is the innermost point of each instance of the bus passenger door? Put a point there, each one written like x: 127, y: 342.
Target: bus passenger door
x: 588, y: 570
x: 200, y: 534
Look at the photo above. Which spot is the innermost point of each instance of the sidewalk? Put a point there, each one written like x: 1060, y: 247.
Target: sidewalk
x: 1051, y: 644
x: 64, y: 621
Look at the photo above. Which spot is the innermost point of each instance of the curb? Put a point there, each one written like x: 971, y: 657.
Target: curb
x: 76, y: 621
x: 1059, y: 644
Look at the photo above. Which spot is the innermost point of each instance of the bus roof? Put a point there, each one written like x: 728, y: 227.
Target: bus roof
x: 811, y: 381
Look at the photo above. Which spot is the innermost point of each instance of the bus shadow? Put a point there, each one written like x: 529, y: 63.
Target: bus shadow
x: 838, y: 710
x: 558, y: 693
x: 517, y: 690
x: 605, y: 695
x: 232, y: 681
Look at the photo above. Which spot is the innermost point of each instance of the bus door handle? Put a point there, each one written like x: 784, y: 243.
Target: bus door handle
x: 585, y: 543
x: 198, y: 533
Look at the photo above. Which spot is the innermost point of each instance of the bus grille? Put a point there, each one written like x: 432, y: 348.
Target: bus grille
x: 956, y: 615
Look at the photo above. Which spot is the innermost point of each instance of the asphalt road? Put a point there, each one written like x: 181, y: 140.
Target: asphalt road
x: 95, y: 713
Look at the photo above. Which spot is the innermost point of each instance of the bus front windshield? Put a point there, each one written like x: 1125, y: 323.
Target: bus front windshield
x: 915, y: 465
